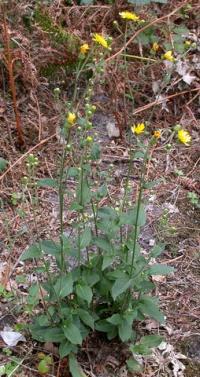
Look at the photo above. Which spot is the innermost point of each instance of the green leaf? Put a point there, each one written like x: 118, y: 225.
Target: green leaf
x: 140, y: 349
x: 91, y: 277
x: 66, y: 244
x: 43, y: 320
x: 3, y: 164
x: 87, y: 2
x: 130, y: 217
x: 120, y: 286
x: 103, y: 326
x: 33, y: 252
x: 151, y: 340
x: 181, y: 30
x: 85, y: 238
x: 47, y: 334
x: 112, y: 333
x: 72, y: 333
x: 133, y: 365
x: 83, y: 193
x: 47, y: 182
x: 84, y: 292
x: 157, y: 250
x: 102, y: 191
x: 95, y: 152
x: 148, y: 306
x: 125, y: 330
x: 86, y: 318
x: 75, y: 368
x: 43, y: 366
x: 75, y: 206
x: 72, y: 172
x: 107, y: 212
x: 65, y: 349
x: 50, y: 247
x: 107, y: 261
x: 103, y: 244
x: 160, y: 269
x: 64, y: 286
x: 150, y: 185
x: 138, y: 154
x: 115, y: 319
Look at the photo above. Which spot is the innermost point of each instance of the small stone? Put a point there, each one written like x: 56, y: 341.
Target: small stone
x: 112, y: 130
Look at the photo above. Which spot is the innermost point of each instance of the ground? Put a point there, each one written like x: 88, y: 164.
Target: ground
x: 173, y: 212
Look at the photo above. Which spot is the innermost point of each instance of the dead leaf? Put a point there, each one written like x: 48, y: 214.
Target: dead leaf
x: 51, y: 348
x: 112, y: 129
x: 159, y: 278
x: 10, y: 337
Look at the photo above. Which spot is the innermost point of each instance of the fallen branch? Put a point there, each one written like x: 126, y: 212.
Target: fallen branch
x: 165, y: 99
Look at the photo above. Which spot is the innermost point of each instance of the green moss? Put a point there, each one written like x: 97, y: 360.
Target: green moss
x: 56, y: 33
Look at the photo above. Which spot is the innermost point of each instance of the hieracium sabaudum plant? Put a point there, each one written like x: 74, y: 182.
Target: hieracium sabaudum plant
x: 102, y: 279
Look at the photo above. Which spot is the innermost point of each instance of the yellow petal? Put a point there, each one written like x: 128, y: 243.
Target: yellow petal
x: 157, y: 134
x: 184, y: 137
x: 155, y: 46
x: 126, y: 15
x: 138, y: 128
x: 98, y: 38
x: 169, y: 56
x: 71, y: 118
x: 84, y: 48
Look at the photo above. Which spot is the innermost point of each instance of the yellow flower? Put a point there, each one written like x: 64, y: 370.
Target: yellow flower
x: 184, y: 136
x: 71, y: 118
x: 126, y: 15
x: 84, y: 48
x: 138, y: 128
x: 169, y: 56
x: 157, y: 134
x: 155, y: 47
x: 98, y: 38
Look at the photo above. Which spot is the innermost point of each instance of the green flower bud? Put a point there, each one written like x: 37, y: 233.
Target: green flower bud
x: 177, y: 127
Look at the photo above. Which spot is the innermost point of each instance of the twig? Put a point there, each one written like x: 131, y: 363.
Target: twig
x: 26, y: 154
x: 159, y: 101
x: 140, y: 57
x: 192, y: 99
x: 196, y: 164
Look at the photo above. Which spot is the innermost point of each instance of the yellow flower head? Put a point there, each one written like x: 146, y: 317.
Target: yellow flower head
x: 130, y: 16
x: 71, y: 118
x: 157, y: 134
x: 98, y: 38
x: 138, y: 128
x: 184, y: 136
x: 169, y: 56
x: 84, y: 48
x: 155, y: 46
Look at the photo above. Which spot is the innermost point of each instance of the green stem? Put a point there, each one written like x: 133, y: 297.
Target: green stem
x: 139, y: 201
x: 61, y: 201
x: 95, y: 218
x: 78, y: 73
